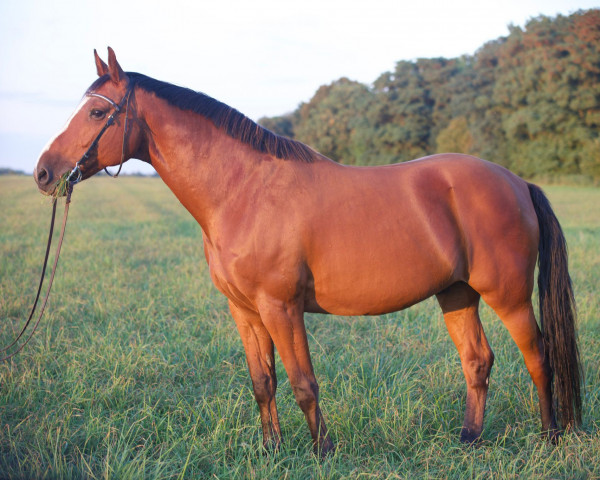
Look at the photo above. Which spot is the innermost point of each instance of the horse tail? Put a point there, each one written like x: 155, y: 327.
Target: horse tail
x: 557, y: 312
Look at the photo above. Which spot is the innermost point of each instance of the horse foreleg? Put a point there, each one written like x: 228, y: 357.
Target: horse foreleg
x: 460, y: 304
x: 285, y: 323
x: 261, y: 364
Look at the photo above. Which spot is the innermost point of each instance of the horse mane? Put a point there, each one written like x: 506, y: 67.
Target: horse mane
x: 224, y: 117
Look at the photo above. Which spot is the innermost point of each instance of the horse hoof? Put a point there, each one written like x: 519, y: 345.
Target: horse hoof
x: 469, y: 438
x: 325, y: 450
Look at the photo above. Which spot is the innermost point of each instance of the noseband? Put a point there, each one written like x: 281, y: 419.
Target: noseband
x: 76, y: 175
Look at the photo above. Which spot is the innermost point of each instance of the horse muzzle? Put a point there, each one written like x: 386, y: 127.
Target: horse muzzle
x: 44, y: 178
x: 46, y: 175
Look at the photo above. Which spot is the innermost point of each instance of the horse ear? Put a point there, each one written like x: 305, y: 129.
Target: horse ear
x: 101, y: 67
x: 114, y: 69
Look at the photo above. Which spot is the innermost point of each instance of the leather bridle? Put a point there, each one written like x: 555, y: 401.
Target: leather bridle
x: 76, y: 174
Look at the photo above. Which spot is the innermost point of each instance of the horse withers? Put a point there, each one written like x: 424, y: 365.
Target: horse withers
x: 287, y: 231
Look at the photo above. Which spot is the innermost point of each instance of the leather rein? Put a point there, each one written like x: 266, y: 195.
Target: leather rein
x: 75, y: 176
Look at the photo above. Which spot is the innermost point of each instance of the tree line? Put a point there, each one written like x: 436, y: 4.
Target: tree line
x: 529, y: 101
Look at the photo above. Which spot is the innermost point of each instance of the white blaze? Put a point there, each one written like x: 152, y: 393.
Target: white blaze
x: 65, y: 128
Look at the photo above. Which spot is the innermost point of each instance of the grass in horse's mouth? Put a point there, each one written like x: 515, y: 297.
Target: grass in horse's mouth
x: 61, y: 185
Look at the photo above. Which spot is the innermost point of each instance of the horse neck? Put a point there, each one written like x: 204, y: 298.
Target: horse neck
x: 201, y: 164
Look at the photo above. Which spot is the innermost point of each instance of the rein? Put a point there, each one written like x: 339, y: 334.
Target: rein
x: 74, y: 177
x: 37, y: 297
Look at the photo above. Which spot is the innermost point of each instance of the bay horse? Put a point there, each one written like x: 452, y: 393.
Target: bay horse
x: 287, y: 231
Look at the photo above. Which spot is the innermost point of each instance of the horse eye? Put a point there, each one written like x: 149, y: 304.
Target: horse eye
x: 97, y: 114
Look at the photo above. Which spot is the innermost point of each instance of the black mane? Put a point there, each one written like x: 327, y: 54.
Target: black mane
x: 234, y: 123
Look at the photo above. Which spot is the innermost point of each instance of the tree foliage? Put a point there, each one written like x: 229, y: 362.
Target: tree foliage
x: 529, y: 101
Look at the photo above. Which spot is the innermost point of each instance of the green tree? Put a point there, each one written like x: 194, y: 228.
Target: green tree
x: 529, y: 101
x: 282, y: 125
x: 456, y: 137
x: 331, y: 121
x: 547, y: 90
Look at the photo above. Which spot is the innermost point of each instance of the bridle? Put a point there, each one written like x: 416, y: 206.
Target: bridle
x: 75, y: 176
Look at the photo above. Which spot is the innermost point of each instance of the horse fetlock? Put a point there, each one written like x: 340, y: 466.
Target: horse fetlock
x: 272, y: 441
x: 553, y: 435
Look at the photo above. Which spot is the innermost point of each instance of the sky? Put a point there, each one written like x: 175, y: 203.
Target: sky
x: 262, y: 57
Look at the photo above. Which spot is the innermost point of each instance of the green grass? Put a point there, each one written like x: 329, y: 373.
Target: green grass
x: 137, y: 370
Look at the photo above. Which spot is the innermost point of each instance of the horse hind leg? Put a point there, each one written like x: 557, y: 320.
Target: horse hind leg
x: 460, y: 305
x: 519, y: 320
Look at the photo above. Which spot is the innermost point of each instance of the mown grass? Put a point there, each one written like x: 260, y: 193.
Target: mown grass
x: 137, y: 370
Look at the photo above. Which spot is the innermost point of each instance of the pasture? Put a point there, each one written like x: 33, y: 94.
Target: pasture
x: 137, y: 369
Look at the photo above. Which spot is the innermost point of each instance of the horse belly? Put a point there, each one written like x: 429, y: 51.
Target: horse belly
x: 382, y: 278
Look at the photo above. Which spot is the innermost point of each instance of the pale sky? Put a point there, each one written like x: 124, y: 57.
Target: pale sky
x: 263, y: 57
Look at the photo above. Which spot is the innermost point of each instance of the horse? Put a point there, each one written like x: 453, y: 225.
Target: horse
x: 286, y: 230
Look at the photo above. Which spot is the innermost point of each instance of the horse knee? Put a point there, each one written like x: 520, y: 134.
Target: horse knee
x: 477, y: 370
x: 306, y: 393
x: 264, y: 388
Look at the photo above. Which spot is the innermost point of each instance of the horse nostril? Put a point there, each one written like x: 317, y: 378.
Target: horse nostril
x: 42, y: 176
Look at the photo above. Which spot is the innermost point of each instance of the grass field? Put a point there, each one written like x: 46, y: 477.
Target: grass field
x: 137, y: 370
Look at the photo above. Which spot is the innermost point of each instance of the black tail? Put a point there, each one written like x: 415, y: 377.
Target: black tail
x: 557, y: 312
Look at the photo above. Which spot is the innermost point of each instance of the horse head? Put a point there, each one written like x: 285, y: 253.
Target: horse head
x: 98, y: 134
